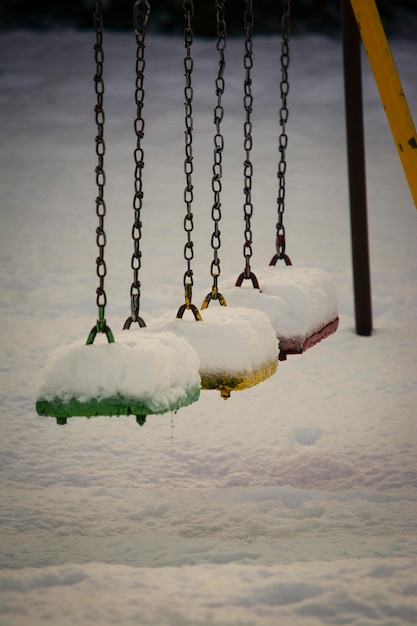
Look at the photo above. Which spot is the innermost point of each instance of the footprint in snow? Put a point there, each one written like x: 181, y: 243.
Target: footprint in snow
x: 306, y: 436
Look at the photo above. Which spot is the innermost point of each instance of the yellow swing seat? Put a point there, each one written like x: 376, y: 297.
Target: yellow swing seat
x: 236, y: 346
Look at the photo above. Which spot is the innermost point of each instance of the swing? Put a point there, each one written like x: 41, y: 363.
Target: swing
x: 137, y: 375
x: 300, y: 302
x: 236, y: 346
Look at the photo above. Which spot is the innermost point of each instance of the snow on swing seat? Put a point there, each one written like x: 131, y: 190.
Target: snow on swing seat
x: 237, y: 347
x: 141, y: 373
x: 301, y: 303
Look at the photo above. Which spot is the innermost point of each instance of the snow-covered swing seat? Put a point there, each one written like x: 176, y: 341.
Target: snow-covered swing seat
x: 136, y: 372
x: 301, y: 302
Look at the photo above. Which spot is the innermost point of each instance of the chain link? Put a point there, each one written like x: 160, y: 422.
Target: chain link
x: 188, y: 162
x: 216, y: 182
x: 283, y: 138
x: 101, y: 240
x: 188, y: 281
x: 100, y: 151
x: 247, y: 144
x: 141, y: 11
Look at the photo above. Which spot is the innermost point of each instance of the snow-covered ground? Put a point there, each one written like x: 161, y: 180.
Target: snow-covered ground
x: 293, y: 502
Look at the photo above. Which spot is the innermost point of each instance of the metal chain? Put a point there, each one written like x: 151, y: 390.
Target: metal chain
x: 141, y: 12
x: 247, y: 165
x: 283, y: 138
x: 188, y: 8
x: 101, y: 268
x: 100, y: 151
x: 216, y: 183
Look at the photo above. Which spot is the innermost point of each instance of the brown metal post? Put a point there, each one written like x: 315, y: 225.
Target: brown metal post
x: 356, y: 170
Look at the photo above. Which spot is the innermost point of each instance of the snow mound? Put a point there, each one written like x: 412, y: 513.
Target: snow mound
x: 155, y: 371
x: 299, y: 301
x: 237, y: 346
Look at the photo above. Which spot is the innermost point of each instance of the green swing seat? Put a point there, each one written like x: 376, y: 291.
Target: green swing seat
x: 137, y: 375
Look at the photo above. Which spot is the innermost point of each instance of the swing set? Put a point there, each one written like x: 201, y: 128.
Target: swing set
x: 250, y: 307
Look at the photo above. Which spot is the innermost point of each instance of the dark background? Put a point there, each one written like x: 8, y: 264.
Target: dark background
x: 322, y: 16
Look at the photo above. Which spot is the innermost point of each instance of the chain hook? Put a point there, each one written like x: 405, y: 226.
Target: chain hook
x: 280, y: 249
x: 134, y: 317
x: 214, y: 295
x: 252, y: 277
x: 188, y: 305
x: 100, y: 327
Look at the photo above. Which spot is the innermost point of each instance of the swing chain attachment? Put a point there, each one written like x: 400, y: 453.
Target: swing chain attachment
x: 141, y: 12
x: 213, y: 295
x: 188, y: 8
x: 247, y: 274
x: 216, y: 183
x: 283, y: 138
x: 100, y: 327
x: 188, y: 306
x: 101, y: 268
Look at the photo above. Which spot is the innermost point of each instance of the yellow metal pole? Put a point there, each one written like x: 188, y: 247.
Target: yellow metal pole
x: 389, y: 86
